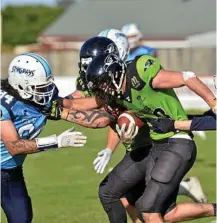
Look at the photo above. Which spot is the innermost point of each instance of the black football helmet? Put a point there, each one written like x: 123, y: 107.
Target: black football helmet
x: 93, y: 47
x: 105, y: 76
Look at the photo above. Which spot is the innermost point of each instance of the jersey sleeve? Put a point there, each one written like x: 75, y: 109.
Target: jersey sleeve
x: 5, y: 115
x: 203, y: 123
x: 148, y: 67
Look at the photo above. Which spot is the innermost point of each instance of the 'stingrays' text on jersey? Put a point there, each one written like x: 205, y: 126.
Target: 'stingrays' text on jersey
x: 28, y: 121
x: 141, y: 51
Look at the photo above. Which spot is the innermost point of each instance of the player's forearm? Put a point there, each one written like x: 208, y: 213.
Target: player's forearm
x: 77, y: 94
x: 67, y: 102
x: 182, y: 125
x: 21, y: 146
x: 81, y: 104
x: 198, y: 87
x: 85, y: 104
x: 112, y: 140
x: 90, y: 119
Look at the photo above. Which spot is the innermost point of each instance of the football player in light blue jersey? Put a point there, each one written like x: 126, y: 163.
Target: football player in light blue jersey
x: 134, y: 36
x: 27, y: 91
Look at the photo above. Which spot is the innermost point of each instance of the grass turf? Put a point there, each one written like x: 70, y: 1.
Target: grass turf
x: 63, y: 184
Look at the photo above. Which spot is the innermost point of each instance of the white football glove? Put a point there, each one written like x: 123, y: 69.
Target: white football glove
x: 71, y: 138
x: 127, y: 136
x: 102, y: 160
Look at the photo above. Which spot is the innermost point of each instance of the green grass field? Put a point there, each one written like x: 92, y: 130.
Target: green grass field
x: 63, y: 184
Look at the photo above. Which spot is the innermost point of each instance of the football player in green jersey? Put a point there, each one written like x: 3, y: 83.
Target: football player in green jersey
x: 190, y: 187
x: 147, y: 91
x: 90, y: 49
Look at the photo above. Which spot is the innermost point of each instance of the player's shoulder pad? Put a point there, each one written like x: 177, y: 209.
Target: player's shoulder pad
x: 148, y: 67
x: 146, y: 61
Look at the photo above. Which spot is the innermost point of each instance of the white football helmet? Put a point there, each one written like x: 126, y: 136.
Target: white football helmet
x: 30, y: 74
x: 133, y: 34
x: 119, y: 39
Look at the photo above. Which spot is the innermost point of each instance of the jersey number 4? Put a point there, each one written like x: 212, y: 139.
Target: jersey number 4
x: 8, y: 98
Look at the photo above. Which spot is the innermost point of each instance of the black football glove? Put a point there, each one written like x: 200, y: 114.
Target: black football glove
x: 162, y: 125
x: 54, y: 111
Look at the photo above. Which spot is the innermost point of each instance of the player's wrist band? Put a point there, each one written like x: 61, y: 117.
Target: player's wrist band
x: 45, y: 143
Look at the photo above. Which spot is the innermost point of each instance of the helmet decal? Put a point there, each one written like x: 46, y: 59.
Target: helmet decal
x: 109, y: 60
x: 111, y: 48
x: 20, y: 70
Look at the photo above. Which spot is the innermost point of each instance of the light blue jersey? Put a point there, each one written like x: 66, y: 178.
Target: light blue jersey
x: 140, y: 51
x: 28, y: 121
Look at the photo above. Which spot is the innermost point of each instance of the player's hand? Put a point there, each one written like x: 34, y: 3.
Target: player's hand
x: 54, y: 111
x: 162, y: 125
x: 127, y: 135
x: 71, y: 138
x: 102, y: 160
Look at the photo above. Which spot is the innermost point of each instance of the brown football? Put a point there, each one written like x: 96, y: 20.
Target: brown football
x: 127, y: 117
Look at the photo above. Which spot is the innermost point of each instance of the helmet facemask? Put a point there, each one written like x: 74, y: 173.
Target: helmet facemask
x: 109, y: 88
x: 40, y: 94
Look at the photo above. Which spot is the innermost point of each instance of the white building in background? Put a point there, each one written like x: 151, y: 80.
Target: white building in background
x: 207, y: 39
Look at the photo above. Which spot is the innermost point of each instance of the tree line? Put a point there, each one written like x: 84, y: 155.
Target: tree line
x: 23, y: 24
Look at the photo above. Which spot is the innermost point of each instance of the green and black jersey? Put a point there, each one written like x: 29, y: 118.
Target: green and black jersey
x: 146, y: 102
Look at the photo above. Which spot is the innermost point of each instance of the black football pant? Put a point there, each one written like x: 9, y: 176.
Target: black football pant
x: 160, y: 167
x: 125, y: 176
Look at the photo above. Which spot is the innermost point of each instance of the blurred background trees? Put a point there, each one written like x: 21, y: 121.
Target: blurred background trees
x: 22, y: 24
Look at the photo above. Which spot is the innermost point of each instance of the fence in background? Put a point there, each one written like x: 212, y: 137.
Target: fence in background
x: 199, y: 60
